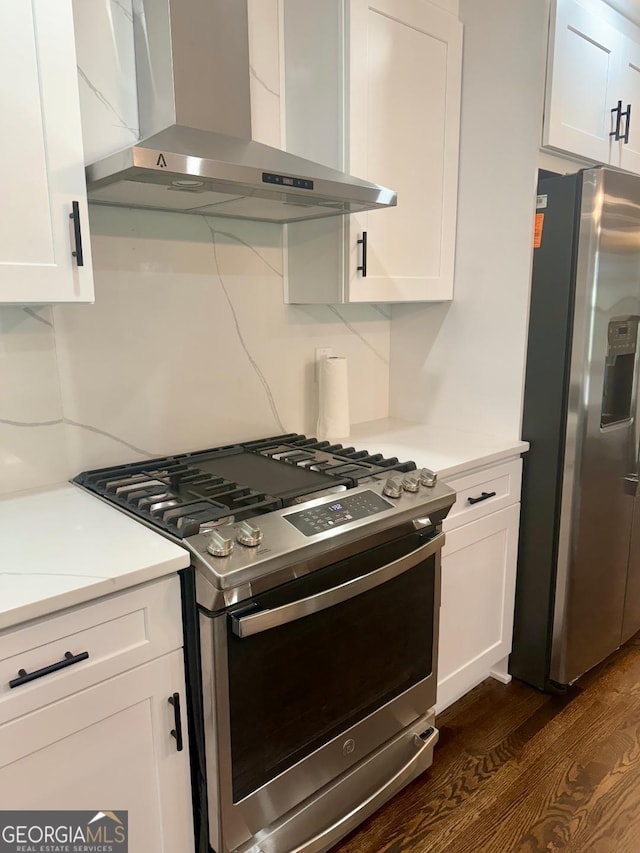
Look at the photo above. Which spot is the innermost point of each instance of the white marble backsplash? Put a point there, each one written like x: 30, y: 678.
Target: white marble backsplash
x: 33, y: 447
x: 106, y: 75
x: 188, y: 345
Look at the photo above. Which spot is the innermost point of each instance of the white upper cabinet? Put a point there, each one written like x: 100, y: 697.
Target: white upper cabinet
x: 583, y: 69
x: 372, y: 87
x: 630, y: 96
x: 41, y: 158
x: 593, y: 84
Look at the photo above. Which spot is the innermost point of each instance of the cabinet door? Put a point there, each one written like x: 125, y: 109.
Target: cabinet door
x: 476, y: 611
x: 41, y: 159
x: 630, y: 96
x: 108, y: 747
x: 405, y: 59
x: 582, y: 83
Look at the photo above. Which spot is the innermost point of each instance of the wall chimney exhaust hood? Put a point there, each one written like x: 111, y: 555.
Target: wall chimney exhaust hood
x: 196, y: 155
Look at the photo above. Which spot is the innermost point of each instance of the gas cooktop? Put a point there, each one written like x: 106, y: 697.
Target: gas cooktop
x: 259, y: 513
x: 179, y: 494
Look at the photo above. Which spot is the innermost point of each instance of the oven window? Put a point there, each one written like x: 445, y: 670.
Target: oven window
x: 296, y: 686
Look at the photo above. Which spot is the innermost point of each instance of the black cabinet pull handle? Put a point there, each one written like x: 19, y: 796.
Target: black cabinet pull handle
x: 25, y: 677
x: 363, y: 266
x: 177, y: 732
x: 616, y: 132
x: 77, y: 233
x: 626, y: 113
x: 483, y: 497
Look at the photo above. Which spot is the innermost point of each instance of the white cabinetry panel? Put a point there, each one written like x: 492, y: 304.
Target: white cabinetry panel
x: 630, y: 95
x: 476, y: 614
x: 117, y: 633
x: 484, y: 491
x: 25, y: 222
x: 107, y: 747
x: 583, y: 82
x: 404, y: 129
x: 41, y: 159
x: 393, y: 98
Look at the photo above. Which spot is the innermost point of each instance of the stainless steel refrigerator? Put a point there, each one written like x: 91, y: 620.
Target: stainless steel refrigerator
x: 578, y: 581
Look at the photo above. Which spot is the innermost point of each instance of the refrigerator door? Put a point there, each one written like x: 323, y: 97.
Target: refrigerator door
x: 601, y: 441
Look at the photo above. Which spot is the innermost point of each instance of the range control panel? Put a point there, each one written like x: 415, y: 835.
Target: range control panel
x: 329, y: 515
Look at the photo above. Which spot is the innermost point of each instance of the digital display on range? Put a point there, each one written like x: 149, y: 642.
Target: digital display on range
x: 341, y: 514
x: 328, y: 516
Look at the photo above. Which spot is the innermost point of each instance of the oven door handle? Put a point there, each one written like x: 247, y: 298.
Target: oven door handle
x: 349, y: 821
x: 263, y: 620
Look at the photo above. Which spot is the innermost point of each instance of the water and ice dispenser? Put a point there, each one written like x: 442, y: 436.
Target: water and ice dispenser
x: 619, y: 367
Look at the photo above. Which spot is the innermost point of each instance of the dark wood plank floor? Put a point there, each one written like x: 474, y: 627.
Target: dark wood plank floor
x: 518, y: 770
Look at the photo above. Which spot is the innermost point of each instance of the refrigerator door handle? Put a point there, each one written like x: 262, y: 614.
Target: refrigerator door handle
x: 631, y: 484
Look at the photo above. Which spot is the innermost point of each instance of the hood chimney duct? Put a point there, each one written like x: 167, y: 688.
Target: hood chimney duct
x: 192, y: 65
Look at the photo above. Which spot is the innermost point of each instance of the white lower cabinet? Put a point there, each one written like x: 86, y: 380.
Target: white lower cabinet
x: 478, y: 587
x: 108, y: 747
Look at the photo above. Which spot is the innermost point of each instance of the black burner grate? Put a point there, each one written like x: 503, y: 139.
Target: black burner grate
x: 332, y: 459
x: 175, y: 496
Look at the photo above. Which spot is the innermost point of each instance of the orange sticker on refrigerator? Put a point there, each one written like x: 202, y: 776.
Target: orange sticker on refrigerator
x: 537, y: 230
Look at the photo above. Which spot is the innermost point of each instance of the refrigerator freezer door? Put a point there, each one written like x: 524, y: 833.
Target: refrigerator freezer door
x: 596, y: 516
x: 631, y: 620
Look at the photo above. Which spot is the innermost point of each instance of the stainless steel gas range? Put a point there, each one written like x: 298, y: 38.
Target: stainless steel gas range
x: 311, y: 614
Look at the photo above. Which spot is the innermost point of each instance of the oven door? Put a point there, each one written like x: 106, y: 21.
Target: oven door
x: 312, y: 677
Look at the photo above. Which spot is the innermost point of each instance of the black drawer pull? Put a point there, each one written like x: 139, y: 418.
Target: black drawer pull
x: 25, y: 677
x: 363, y: 266
x: 177, y: 732
x: 77, y: 233
x: 617, y: 112
x: 483, y: 497
x: 627, y: 126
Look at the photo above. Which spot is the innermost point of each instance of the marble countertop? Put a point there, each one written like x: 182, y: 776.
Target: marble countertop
x: 61, y: 546
x: 447, y: 451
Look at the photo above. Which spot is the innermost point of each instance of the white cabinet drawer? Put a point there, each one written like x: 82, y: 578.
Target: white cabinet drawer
x: 484, y: 491
x: 103, y: 638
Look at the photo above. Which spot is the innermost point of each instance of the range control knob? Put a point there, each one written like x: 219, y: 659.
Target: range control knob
x: 248, y: 534
x: 219, y: 545
x: 427, y: 477
x: 392, y: 488
x: 411, y: 483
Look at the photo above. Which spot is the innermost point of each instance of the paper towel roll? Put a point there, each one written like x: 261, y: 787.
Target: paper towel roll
x: 333, y: 400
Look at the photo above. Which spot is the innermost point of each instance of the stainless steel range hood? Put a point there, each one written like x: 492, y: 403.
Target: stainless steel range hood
x: 196, y: 155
